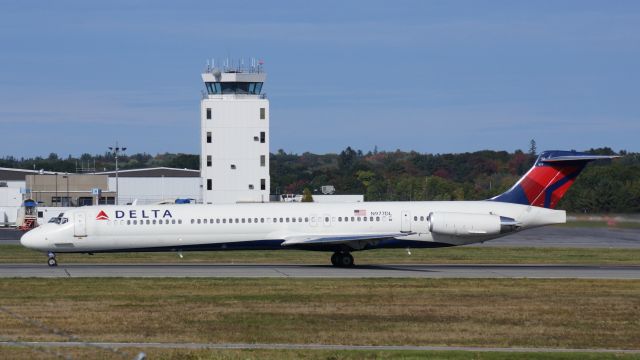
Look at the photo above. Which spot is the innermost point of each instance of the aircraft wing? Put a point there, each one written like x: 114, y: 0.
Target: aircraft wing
x: 337, y: 239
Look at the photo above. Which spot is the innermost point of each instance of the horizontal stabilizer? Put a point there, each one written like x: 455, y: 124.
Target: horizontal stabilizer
x: 337, y: 239
x: 586, y: 157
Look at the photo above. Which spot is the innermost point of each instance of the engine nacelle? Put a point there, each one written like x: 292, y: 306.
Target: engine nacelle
x: 460, y: 224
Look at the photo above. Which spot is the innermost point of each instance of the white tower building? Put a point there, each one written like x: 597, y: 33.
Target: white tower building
x: 235, y: 136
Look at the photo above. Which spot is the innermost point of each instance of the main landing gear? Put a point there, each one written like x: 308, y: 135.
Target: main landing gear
x: 342, y: 259
x: 52, y: 259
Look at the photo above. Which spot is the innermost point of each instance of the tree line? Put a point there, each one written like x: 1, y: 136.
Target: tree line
x: 604, y: 186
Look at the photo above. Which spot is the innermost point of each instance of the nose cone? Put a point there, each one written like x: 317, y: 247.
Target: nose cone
x: 31, y: 239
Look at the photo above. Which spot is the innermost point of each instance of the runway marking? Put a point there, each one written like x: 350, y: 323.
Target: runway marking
x: 249, y: 346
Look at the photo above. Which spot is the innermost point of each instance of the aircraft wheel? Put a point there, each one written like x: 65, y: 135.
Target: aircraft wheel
x: 345, y: 260
x: 334, y: 259
x: 52, y: 261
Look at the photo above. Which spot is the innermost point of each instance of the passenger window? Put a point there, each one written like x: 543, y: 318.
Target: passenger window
x: 255, y: 220
x: 243, y: 220
x: 353, y: 219
x: 287, y: 219
x: 128, y: 222
x: 377, y: 218
x: 306, y: 219
x: 415, y: 218
x: 217, y: 221
x: 193, y: 221
x: 135, y: 222
x: 300, y: 219
x: 261, y: 220
x: 199, y: 221
x: 148, y: 222
x: 224, y: 221
x: 364, y: 218
x: 281, y: 219
x: 326, y: 219
x: 237, y: 220
x: 371, y: 218
x: 359, y: 219
x: 339, y: 218
x: 180, y: 221
x: 421, y: 218
x: 293, y: 219
x: 173, y: 221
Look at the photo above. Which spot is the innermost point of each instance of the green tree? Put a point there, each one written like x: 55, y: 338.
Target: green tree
x: 306, y: 195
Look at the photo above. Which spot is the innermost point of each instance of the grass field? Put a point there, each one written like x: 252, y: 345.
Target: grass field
x: 488, y: 312
x: 129, y: 353
x: 460, y: 255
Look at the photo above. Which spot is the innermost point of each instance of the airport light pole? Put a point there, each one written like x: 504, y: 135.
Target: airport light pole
x: 115, y: 150
x: 57, y: 197
x: 68, y: 198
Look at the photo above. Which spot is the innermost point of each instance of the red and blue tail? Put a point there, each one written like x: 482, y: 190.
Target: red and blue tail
x: 549, y: 179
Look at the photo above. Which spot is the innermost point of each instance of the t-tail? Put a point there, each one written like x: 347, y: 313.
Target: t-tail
x: 549, y: 179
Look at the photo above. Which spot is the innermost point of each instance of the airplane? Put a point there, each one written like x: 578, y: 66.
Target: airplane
x: 340, y: 228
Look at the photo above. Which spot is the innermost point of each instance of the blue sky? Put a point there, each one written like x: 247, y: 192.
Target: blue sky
x: 430, y: 76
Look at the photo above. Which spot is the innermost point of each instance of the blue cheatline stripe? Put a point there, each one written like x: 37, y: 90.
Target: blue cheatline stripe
x: 271, y: 245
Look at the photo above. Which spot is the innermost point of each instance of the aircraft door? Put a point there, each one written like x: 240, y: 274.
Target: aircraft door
x: 405, y: 225
x: 80, y: 224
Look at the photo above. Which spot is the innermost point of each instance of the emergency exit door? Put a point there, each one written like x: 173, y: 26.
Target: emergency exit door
x: 405, y: 221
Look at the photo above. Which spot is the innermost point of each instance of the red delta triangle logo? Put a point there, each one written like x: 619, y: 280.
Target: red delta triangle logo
x: 102, y: 216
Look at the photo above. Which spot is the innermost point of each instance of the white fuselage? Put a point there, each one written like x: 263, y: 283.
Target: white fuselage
x: 268, y: 225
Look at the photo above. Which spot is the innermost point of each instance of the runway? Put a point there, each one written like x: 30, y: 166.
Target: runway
x: 321, y: 271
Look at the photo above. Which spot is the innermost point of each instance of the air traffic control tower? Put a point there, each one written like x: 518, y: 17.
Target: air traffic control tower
x: 234, y: 118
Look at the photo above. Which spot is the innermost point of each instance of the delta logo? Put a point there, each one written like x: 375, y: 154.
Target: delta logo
x: 102, y: 216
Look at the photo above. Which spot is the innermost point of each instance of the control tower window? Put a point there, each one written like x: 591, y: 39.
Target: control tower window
x: 208, y: 137
x: 208, y: 113
x: 263, y: 136
x: 213, y: 88
x: 242, y: 88
x: 262, y: 114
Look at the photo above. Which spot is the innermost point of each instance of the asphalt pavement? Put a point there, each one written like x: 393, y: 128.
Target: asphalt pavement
x: 321, y: 271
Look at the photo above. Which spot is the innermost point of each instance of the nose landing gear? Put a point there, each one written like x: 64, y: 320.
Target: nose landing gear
x: 342, y: 259
x: 52, y: 259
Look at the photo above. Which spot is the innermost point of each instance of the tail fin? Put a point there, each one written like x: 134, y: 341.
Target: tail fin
x: 549, y: 179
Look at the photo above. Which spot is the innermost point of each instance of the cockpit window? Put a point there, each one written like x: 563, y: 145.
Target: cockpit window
x: 60, y: 219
